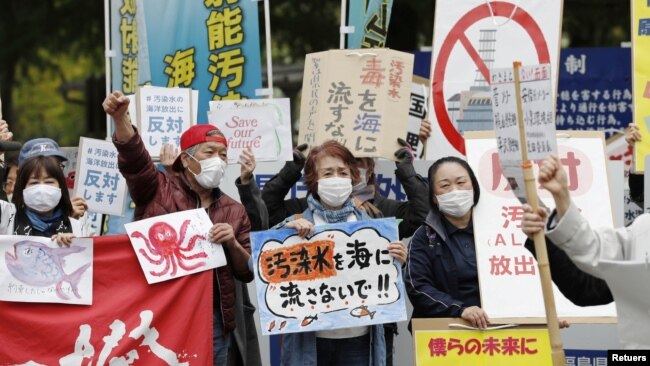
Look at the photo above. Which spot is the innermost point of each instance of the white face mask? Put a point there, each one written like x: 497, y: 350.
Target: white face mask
x: 334, y: 191
x: 456, y: 203
x: 363, y: 182
x: 42, y: 197
x: 212, y: 172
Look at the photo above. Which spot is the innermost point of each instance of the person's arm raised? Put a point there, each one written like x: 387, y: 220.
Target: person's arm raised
x: 116, y: 105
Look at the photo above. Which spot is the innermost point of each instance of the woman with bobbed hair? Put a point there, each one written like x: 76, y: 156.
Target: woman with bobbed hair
x: 330, y: 173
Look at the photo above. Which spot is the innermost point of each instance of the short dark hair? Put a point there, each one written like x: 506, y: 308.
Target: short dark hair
x: 50, y: 165
x: 452, y: 159
x: 328, y: 148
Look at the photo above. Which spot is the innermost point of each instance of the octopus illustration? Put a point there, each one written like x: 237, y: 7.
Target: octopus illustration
x: 164, y: 246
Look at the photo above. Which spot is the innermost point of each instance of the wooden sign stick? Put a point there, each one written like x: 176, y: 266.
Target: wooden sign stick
x: 557, y: 352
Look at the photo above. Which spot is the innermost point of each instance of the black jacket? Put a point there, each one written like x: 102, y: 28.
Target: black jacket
x: 579, y: 287
x: 412, y: 212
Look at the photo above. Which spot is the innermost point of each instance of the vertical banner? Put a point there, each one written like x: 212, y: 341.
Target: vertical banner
x: 211, y: 46
x: 641, y: 78
x: 470, y: 37
x: 129, y: 322
x: 503, y: 262
x: 358, y: 98
x: 370, y: 19
x: 418, y: 111
x: 99, y: 180
x: 341, y: 277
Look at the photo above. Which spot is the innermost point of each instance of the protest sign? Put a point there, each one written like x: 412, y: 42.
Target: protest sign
x: 449, y: 342
x: 503, y: 262
x: 36, y: 269
x: 359, y: 98
x: 370, y: 20
x: 97, y: 178
x: 418, y: 111
x: 175, y: 245
x: 342, y: 276
x: 641, y: 79
x: 129, y: 322
x: 263, y: 125
x: 163, y: 115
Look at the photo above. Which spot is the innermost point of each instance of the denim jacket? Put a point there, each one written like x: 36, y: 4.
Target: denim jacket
x: 299, y: 349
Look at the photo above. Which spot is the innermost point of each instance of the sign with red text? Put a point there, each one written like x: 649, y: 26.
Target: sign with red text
x: 340, y: 277
x: 163, y: 115
x: 263, y: 125
x: 175, y: 245
x: 359, y: 98
x: 508, y: 274
x: 441, y: 342
x: 129, y: 322
x: 470, y: 37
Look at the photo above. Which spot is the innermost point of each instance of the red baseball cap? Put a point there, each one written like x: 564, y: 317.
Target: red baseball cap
x: 195, y: 135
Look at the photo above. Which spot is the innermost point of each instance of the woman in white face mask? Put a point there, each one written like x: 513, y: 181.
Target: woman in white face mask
x: 41, y: 203
x: 441, y: 276
x: 330, y: 173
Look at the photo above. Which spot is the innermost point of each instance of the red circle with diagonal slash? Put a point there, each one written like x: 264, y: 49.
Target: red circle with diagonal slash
x: 457, y: 34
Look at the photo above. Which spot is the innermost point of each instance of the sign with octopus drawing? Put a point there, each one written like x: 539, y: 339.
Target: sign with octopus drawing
x: 35, y: 269
x: 340, y: 277
x: 175, y: 245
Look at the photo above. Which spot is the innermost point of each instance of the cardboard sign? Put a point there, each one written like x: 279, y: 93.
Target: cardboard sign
x: 36, y: 269
x: 449, y: 342
x: 163, y: 115
x: 175, y: 245
x: 342, y: 276
x: 98, y: 180
x: 263, y: 125
x: 418, y: 111
x: 508, y: 274
x: 359, y: 98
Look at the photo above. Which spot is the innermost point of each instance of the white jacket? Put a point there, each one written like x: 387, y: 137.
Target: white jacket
x: 8, y: 219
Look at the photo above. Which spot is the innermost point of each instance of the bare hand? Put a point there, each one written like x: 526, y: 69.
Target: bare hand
x: 116, y: 105
x: 552, y: 176
x: 79, y: 207
x: 397, y: 250
x: 477, y: 316
x: 303, y: 226
x: 5, y: 134
x: 222, y: 233
x: 425, y: 130
x: 247, y: 162
x: 632, y: 134
x: 563, y: 324
x: 63, y: 239
x: 168, y: 154
x: 533, y: 222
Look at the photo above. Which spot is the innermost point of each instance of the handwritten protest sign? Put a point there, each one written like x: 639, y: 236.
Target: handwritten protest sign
x: 175, y: 245
x: 98, y: 180
x: 342, y: 276
x: 35, y: 269
x: 163, y: 115
x: 359, y: 98
x: 263, y: 125
x: 418, y: 109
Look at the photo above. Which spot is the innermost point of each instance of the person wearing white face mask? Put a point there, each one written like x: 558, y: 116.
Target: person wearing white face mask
x: 199, y: 172
x: 330, y: 172
x: 441, y: 276
x: 41, y: 203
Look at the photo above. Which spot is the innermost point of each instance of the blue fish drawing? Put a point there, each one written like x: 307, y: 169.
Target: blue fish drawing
x: 36, y: 264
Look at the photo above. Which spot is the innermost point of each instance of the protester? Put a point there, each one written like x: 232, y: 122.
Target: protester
x: 41, y: 203
x: 635, y: 179
x: 587, y: 247
x: 48, y: 147
x: 441, y: 275
x: 330, y: 172
x: 201, y: 167
x: 10, y: 174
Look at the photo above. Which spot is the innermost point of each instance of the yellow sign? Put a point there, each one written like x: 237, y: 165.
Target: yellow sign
x: 641, y: 77
x: 461, y: 347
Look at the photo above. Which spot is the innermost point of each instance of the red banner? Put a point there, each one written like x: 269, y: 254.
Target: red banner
x: 130, y: 322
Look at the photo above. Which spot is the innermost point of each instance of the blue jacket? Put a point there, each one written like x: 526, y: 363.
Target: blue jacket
x: 299, y: 349
x: 431, y: 273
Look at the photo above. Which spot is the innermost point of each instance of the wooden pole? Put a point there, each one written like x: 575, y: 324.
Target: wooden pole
x: 557, y: 352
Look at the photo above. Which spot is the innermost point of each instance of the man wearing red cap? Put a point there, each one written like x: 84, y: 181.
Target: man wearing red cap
x: 200, y: 166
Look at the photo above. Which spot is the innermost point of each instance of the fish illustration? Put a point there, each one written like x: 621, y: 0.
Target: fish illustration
x: 362, y: 311
x: 36, y: 264
x: 271, y: 325
x: 308, y: 320
x: 282, y: 325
